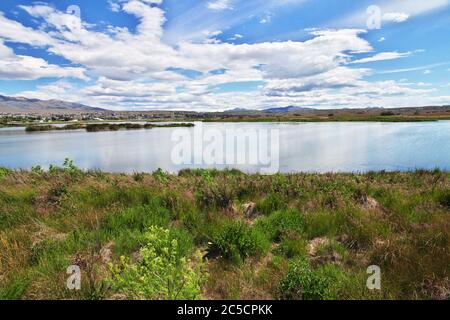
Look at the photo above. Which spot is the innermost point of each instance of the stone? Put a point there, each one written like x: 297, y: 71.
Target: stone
x: 106, y: 252
x: 249, y: 209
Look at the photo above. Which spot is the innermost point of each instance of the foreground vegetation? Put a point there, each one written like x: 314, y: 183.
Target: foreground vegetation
x: 223, y: 235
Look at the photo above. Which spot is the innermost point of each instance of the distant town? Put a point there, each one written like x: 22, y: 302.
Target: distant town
x: 307, y: 115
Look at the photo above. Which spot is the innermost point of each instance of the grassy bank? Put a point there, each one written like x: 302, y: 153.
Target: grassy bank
x: 331, y: 118
x: 223, y: 235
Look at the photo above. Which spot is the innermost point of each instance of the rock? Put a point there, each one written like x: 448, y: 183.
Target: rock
x: 370, y: 203
x: 249, y: 209
x: 211, y: 253
x: 136, y: 256
x: 333, y: 257
x: 315, y: 243
x: 343, y: 238
x: 118, y: 296
x: 106, y: 252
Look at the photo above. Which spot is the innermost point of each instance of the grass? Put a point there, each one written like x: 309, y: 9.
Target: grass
x: 333, y: 118
x: 312, y: 236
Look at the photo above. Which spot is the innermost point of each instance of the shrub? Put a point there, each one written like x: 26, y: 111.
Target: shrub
x: 237, y: 241
x: 324, y: 223
x: 304, y: 283
x: 184, y: 240
x: 271, y: 203
x: 215, y: 196
x: 40, y: 128
x: 37, y: 170
x: 95, y: 127
x: 292, y: 246
x: 162, y: 274
x: 161, y: 176
x: 281, y: 223
x: 4, y: 172
x: 443, y: 198
x: 70, y: 167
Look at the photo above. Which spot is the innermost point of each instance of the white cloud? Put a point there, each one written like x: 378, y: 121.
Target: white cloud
x: 266, y: 18
x: 19, y: 67
x: 114, y: 6
x: 382, y: 56
x: 131, y: 66
x: 412, y: 69
x: 396, y: 17
x: 392, y: 10
x: 219, y: 5
x: 236, y: 37
x: 382, y: 39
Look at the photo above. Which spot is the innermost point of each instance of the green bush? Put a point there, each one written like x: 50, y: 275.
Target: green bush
x: 271, y: 203
x: 292, y: 246
x: 4, y: 172
x: 37, y: 170
x: 443, y: 198
x: 304, y: 283
x: 184, y: 240
x: 162, y: 274
x: 237, y: 241
x: 161, y: 176
x: 281, y: 223
x: 68, y: 167
x: 216, y: 196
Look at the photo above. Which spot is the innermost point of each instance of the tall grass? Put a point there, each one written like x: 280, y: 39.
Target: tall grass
x: 52, y: 219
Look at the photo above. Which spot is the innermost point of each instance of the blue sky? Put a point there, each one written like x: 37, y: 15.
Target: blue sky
x: 209, y: 55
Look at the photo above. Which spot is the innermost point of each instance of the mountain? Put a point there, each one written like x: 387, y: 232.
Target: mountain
x: 285, y: 109
x: 20, y: 104
x: 239, y: 110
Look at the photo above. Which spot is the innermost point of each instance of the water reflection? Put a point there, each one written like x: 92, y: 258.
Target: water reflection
x: 318, y: 147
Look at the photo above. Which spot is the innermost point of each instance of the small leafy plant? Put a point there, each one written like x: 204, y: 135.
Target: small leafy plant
x: 161, y: 274
x: 237, y: 241
x: 4, y: 172
x: 304, y: 283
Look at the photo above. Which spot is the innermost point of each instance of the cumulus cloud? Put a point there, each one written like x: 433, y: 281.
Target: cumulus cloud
x: 19, y: 67
x: 135, y: 69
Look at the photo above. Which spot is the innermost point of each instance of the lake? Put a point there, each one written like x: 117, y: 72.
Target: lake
x: 310, y: 147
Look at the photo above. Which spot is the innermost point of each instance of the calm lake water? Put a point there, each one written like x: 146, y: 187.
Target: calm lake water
x: 312, y: 147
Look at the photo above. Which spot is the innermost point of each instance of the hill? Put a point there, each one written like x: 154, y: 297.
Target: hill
x: 25, y: 105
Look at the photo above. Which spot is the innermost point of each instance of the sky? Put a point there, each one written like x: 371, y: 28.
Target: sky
x: 215, y: 55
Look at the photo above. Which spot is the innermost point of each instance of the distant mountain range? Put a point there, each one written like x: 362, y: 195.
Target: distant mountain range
x: 19, y: 104
x: 271, y: 110
x: 285, y: 109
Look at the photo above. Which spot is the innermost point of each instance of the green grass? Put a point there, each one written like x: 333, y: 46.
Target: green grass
x: 337, y: 118
x: 52, y: 219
